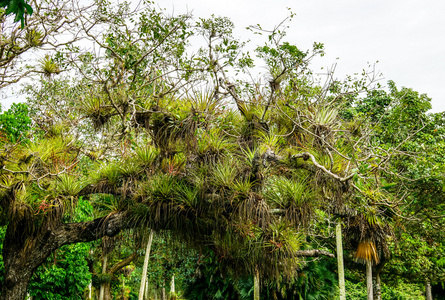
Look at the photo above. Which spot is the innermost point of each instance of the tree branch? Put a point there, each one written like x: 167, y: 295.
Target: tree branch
x: 123, y: 263
x: 313, y: 253
x: 109, y: 225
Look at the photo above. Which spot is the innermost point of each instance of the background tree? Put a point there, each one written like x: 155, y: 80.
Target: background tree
x: 15, y: 123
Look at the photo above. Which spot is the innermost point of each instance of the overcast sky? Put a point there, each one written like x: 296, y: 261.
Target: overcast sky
x: 406, y: 37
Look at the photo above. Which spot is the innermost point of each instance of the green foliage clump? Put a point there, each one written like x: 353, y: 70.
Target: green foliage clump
x: 64, y: 276
x: 15, y: 123
x: 401, y: 291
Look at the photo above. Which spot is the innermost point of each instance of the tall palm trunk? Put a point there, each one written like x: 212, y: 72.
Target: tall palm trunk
x: 172, y: 288
x: 369, y: 280
x: 90, y: 290
x: 104, y: 270
x: 256, y: 285
x: 144, y: 269
x: 341, y: 270
x: 428, y: 292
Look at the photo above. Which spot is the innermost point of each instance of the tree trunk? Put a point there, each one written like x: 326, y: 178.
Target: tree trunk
x: 172, y: 288
x: 256, y: 285
x: 90, y: 290
x: 17, y: 287
x: 369, y: 280
x: 378, y: 287
x: 146, y: 290
x: 107, y: 291
x: 163, y: 293
x: 21, y: 260
x: 428, y: 292
x: 341, y: 269
x: 23, y: 254
x: 104, y: 271
x: 144, y: 269
x: 156, y: 293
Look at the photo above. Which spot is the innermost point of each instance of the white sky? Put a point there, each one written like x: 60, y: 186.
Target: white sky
x: 407, y: 37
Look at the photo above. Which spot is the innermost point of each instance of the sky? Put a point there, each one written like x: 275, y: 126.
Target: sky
x: 406, y: 37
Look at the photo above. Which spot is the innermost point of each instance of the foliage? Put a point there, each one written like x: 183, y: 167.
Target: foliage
x: 64, y: 276
x: 316, y: 280
x: 20, y: 8
x: 402, y: 291
x: 403, y: 126
x: 15, y: 123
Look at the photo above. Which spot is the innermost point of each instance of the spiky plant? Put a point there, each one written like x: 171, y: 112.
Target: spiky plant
x: 174, y: 165
x: 34, y: 37
x: 109, y: 173
x: 212, y: 143
x: 96, y: 108
x: 146, y: 155
x: 272, y: 139
x: 205, y: 102
x: 368, y: 234
x: 292, y: 195
x: 69, y: 185
x: 324, y: 120
x: 47, y: 64
x: 225, y: 173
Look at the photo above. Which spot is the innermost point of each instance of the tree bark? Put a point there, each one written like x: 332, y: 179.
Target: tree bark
x: 313, y: 253
x: 20, y: 263
x: 172, y: 288
x: 22, y: 254
x: 256, y: 285
x: 163, y: 293
x: 428, y: 292
x: 104, y: 271
x: 369, y: 280
x: 144, y: 268
x: 107, y: 291
x: 90, y: 290
x: 341, y: 269
x: 378, y: 287
x: 146, y: 290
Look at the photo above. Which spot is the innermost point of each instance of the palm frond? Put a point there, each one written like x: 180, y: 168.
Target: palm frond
x: 366, y: 251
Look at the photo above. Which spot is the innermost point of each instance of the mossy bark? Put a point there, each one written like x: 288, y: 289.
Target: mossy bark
x: 23, y: 254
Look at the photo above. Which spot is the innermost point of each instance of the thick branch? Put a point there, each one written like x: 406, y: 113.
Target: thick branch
x: 109, y: 225
x: 123, y: 263
x: 313, y: 253
x: 306, y: 155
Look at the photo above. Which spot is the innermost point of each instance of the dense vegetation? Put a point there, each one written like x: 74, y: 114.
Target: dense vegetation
x: 142, y: 148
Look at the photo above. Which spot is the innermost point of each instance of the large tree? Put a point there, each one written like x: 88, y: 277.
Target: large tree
x: 177, y: 139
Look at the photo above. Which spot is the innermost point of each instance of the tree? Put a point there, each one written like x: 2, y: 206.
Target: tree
x: 239, y: 168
